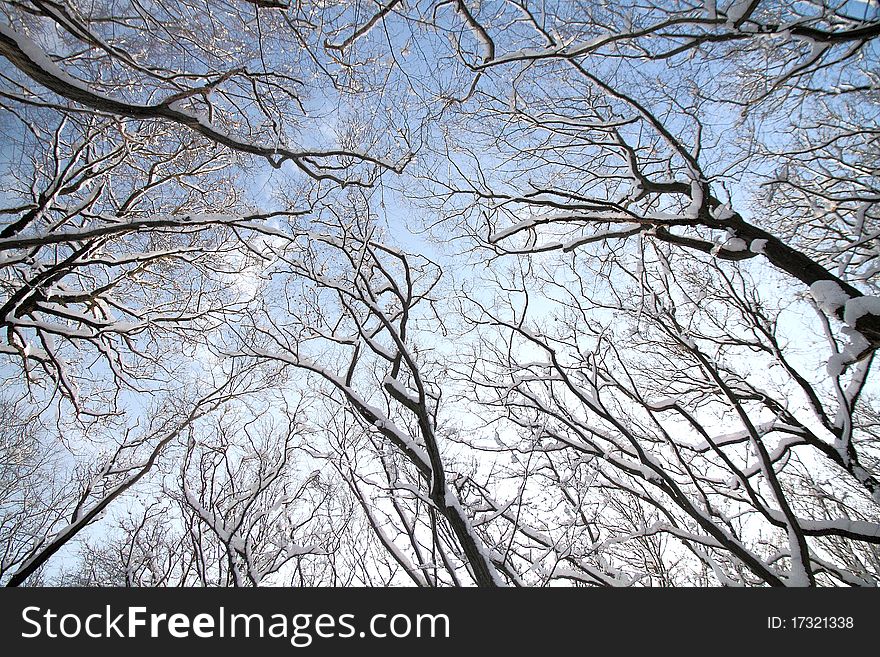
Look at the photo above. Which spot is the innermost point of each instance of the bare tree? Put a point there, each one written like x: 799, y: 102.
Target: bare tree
x: 578, y: 293
x: 358, y: 332
x: 617, y: 157
x: 128, y: 242
x: 246, y: 515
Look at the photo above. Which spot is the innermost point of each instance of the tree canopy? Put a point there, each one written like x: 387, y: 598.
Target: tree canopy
x: 440, y: 293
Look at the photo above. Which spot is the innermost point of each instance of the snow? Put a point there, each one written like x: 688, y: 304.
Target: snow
x: 664, y: 403
x: 710, y: 8
x: 850, y: 353
x: 58, y: 329
x: 127, y: 327
x: 857, y: 342
x: 731, y: 243
x: 696, y: 204
x: 501, y: 234
x: 836, y: 364
x: 816, y: 47
x: 36, y: 55
x: 737, y: 436
x: 625, y: 230
x: 757, y: 246
x: 828, y: 295
x: 399, y: 388
x: 798, y: 575
x: 737, y: 10
x: 5, y: 258
x: 831, y: 298
x: 723, y: 212
x: 452, y: 502
x: 570, y: 49
x: 855, y: 309
x: 735, y: 244
x: 864, y: 528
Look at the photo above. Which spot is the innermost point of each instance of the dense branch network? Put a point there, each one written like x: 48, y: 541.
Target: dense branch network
x: 440, y: 292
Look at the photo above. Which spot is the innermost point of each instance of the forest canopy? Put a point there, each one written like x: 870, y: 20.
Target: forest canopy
x: 439, y: 293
